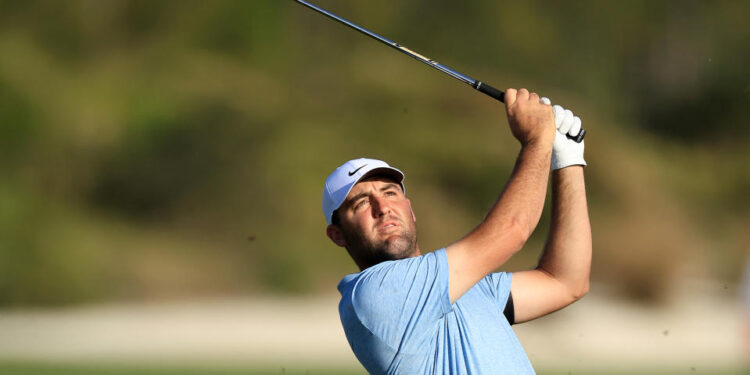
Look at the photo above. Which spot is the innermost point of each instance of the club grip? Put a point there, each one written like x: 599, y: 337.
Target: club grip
x: 577, y: 138
x: 499, y: 95
x: 489, y: 90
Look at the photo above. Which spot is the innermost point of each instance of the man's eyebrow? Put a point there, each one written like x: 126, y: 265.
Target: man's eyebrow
x: 389, y: 186
x: 355, y: 198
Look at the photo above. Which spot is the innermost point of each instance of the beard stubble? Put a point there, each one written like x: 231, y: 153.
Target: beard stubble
x: 400, y: 246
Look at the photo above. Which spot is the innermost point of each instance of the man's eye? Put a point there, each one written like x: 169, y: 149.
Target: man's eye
x: 390, y: 193
x: 359, y: 204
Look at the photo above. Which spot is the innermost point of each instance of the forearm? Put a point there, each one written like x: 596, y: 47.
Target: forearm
x: 567, y: 254
x: 516, y: 212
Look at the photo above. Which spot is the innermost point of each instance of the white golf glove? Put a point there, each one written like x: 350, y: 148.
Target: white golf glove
x: 565, y: 151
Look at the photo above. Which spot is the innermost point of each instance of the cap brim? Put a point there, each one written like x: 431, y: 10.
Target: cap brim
x: 393, y: 173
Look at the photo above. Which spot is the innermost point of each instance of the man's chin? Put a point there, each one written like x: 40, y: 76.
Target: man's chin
x: 399, y: 247
x: 383, y: 247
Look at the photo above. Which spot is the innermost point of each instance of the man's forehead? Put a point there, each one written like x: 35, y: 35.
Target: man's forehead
x: 379, y: 182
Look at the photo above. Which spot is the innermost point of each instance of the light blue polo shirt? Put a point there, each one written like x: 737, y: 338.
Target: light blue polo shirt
x: 398, y: 319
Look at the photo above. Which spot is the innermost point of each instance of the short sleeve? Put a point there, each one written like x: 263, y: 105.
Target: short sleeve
x: 498, y: 287
x: 401, y: 301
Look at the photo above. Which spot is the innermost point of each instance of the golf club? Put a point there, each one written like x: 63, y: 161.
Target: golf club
x: 476, y: 84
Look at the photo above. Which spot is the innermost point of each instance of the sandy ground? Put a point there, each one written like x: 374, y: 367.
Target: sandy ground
x: 699, y: 329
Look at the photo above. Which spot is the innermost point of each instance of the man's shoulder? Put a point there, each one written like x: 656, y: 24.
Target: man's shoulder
x: 390, y: 285
x: 394, y: 269
x: 348, y: 282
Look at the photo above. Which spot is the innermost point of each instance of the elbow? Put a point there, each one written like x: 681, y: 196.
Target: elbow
x: 517, y: 235
x: 580, y: 290
x: 521, y: 231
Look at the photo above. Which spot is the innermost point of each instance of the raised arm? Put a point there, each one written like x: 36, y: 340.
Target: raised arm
x: 562, y: 276
x: 516, y: 212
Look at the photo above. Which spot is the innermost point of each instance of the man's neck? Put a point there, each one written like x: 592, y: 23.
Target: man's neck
x: 363, y: 267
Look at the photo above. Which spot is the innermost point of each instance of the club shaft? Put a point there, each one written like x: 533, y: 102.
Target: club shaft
x: 476, y: 84
x: 402, y: 49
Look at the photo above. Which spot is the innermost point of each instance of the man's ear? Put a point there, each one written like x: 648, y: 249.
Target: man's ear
x: 335, y: 234
x: 413, y: 217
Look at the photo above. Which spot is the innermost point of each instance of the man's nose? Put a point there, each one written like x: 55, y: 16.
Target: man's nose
x: 379, y: 206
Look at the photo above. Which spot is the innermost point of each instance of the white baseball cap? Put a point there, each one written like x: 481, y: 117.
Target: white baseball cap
x: 342, y: 180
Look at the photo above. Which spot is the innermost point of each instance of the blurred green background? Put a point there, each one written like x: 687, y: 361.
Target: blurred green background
x: 175, y: 148
x: 162, y: 150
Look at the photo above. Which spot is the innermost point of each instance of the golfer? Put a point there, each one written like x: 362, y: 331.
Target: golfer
x: 446, y: 312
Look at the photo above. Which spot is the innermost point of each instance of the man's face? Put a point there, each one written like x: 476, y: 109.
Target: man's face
x: 377, y: 222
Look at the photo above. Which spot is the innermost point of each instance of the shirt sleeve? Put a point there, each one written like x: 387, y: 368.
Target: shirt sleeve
x: 399, y: 301
x: 499, y: 287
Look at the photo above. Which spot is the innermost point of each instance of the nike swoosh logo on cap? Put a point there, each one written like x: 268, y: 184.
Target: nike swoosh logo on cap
x: 355, y: 171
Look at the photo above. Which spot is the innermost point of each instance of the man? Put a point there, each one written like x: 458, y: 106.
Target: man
x: 445, y: 312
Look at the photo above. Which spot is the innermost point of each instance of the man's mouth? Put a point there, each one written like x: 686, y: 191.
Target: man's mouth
x: 387, y: 226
